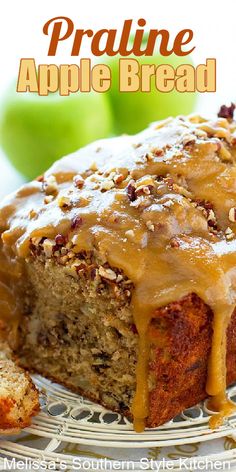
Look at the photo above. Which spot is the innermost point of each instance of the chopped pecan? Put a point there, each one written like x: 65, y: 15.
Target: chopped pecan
x: 107, y: 184
x: 188, y: 139
x: 229, y: 234
x: 158, y: 152
x: 131, y: 191
x: 130, y: 234
x: 227, y: 112
x: 60, y: 240
x: 48, y: 245
x: 40, y: 178
x: 64, y: 202
x: 174, y: 243
x: 144, y: 190
x: 50, y: 186
x: 48, y: 199
x: 107, y: 273
x: 150, y: 225
x: 232, y: 214
x: 204, y: 203
x: 76, y: 222
x: 93, y: 167
x: 78, y: 181
x: 133, y: 328
x: 119, y: 178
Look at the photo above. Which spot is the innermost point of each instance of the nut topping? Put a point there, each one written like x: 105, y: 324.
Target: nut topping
x: 232, y: 214
x: 107, y: 184
x: 60, y: 240
x: 78, y: 181
x: 76, y: 222
x: 227, y: 112
x: 48, y: 199
x: 64, y: 202
x: 131, y: 191
x: 107, y: 273
x: 150, y: 225
x: 189, y: 139
x: 229, y: 234
x: 48, y: 246
x: 130, y: 234
x: 50, y: 186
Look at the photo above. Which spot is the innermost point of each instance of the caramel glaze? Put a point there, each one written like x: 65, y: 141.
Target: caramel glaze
x: 159, y: 206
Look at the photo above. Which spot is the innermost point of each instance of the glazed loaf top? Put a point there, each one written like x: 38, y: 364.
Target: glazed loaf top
x: 160, y: 206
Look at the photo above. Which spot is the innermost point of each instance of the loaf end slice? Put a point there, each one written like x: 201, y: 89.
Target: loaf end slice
x: 19, y: 398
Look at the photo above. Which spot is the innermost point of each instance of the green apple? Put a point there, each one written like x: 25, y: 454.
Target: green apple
x: 133, y: 111
x: 35, y: 131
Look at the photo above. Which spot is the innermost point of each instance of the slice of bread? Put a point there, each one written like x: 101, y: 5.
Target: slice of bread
x: 19, y: 399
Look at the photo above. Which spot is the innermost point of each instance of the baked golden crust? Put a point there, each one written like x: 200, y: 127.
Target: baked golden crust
x: 182, y: 379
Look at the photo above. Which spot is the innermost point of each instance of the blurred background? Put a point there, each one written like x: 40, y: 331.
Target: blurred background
x: 34, y: 131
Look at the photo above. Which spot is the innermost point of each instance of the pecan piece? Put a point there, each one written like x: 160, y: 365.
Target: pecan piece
x: 131, y: 191
x: 60, y: 240
x: 76, y: 222
x: 227, y: 112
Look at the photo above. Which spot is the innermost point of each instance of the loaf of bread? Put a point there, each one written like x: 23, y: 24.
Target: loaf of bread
x: 118, y: 270
x: 19, y: 399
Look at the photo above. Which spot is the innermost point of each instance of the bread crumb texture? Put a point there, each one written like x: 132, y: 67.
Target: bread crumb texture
x: 19, y: 399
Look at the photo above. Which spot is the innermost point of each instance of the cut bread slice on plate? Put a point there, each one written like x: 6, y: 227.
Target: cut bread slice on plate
x: 19, y: 398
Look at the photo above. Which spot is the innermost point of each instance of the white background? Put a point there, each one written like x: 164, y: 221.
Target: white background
x: 213, y: 23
